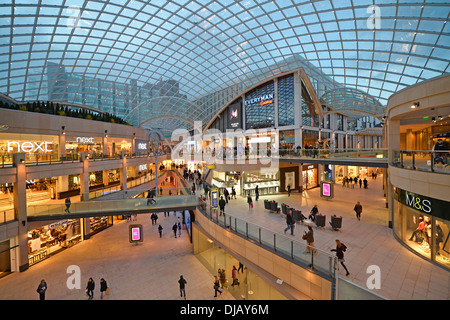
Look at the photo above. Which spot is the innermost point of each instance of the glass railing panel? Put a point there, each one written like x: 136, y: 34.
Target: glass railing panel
x: 423, y: 160
x: 112, y: 206
x: 6, y: 216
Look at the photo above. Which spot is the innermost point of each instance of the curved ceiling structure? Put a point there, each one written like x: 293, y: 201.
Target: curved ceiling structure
x: 116, y: 55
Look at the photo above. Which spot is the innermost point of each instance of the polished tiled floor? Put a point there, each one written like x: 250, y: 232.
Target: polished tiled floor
x: 404, y: 275
x: 147, y: 271
x: 151, y: 270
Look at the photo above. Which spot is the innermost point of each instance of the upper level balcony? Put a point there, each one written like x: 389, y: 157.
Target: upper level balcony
x: 422, y: 160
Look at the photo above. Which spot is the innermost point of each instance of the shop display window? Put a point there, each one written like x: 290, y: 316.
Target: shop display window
x: 442, y: 236
x: 46, y: 240
x: 418, y: 231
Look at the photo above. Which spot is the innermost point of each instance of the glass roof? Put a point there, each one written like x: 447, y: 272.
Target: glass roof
x: 188, y: 58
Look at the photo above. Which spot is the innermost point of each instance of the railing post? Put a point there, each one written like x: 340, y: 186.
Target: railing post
x: 413, y: 160
x: 274, y: 242
x: 292, y: 250
x: 432, y: 162
x: 259, y: 229
x: 401, y: 159
x: 246, y: 229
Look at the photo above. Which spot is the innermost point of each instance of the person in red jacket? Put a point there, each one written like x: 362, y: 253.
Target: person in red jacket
x: 418, y: 233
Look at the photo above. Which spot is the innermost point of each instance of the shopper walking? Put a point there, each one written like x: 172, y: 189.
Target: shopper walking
x: 41, y: 289
x: 257, y: 192
x: 179, y: 227
x: 340, y: 249
x: 68, y: 203
x: 241, y: 267
x: 289, y: 190
x: 290, y: 222
x: 309, y: 237
x: 221, y: 205
x: 90, y: 288
x: 182, y: 282
x: 160, y: 229
x: 249, y: 201
x: 174, y: 229
x: 360, y: 182
x: 217, y: 286
x: 234, y: 276
x: 358, y: 210
x: 103, y: 287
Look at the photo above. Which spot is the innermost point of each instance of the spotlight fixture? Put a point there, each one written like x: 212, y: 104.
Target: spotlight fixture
x: 106, y: 133
x: 62, y: 128
x: 415, y: 105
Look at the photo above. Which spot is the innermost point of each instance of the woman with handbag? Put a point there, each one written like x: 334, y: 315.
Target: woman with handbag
x: 309, y: 237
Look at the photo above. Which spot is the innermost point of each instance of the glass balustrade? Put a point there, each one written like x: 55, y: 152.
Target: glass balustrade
x: 112, y: 207
x: 422, y: 160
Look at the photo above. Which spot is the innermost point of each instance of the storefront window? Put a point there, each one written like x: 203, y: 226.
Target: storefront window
x: 287, y: 140
x: 36, y: 147
x: 116, y: 145
x: 310, y: 176
x: 310, y: 137
x: 47, y: 240
x: 442, y: 233
x: 422, y: 224
x: 77, y: 144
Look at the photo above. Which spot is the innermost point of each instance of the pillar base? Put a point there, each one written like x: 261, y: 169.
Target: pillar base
x: 24, y: 267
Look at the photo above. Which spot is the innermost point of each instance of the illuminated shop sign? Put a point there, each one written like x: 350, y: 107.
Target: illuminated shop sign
x: 84, y: 139
x: 141, y: 145
x: 262, y: 99
x: 28, y: 146
x: 417, y: 202
x: 142, y: 167
x: 435, y: 207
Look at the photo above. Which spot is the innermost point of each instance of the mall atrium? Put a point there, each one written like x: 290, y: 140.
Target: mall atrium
x: 228, y: 121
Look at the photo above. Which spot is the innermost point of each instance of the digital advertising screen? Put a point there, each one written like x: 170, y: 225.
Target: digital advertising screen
x: 235, y: 115
x: 326, y: 189
x: 136, y: 233
x: 214, y: 198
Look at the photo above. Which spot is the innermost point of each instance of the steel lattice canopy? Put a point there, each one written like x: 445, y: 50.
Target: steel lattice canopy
x: 160, y: 63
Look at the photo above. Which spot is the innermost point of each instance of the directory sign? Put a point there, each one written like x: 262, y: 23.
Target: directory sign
x: 136, y: 233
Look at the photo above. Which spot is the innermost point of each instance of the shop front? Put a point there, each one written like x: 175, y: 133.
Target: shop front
x: 267, y: 180
x: 116, y: 145
x: 36, y: 147
x: 47, y: 240
x: 310, y: 176
x: 422, y: 224
x: 100, y: 223
x: 77, y: 144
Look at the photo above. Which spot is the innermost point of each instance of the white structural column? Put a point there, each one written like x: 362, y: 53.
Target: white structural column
x: 20, y: 208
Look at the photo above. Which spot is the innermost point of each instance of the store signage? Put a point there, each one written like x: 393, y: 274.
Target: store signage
x: 136, y: 234
x: 28, y: 146
x: 417, y: 202
x: 85, y: 139
x: 437, y: 208
x: 141, y: 145
x: 262, y: 99
x: 57, y: 224
x: 142, y: 167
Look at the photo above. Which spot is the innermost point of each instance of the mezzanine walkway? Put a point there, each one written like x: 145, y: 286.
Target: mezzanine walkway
x: 85, y: 209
